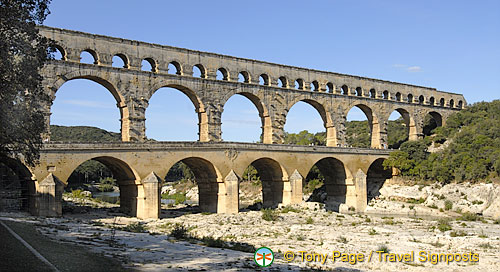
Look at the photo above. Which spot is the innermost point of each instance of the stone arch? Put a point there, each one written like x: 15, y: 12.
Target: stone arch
x: 61, y: 50
x: 373, y: 123
x: 283, y: 81
x: 385, y: 95
x: 17, y: 185
x: 300, y: 84
x: 326, y: 117
x: 152, y: 63
x: 398, y: 96
x: 245, y: 76
x: 441, y: 102
x: 375, y: 178
x: 344, y: 90
x: 421, y: 100
x: 97, y: 77
x: 315, y: 86
x: 124, y: 59
x: 336, y: 177
x: 93, y: 53
x: 126, y: 177
x: 272, y: 176
x: 432, y: 120
x: 409, y: 98
x: 330, y: 88
x: 266, y: 134
x: 264, y: 80
x: 203, y: 71
x: 410, y: 124
x: 209, y: 181
x: 224, y: 73
x: 432, y: 101
x: 197, y: 103
x: 358, y: 91
x: 452, y: 103
x: 177, y: 66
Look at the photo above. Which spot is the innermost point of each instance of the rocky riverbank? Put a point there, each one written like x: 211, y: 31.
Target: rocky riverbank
x: 402, y: 220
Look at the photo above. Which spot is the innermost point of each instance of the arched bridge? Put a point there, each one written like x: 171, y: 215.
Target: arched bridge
x: 272, y: 88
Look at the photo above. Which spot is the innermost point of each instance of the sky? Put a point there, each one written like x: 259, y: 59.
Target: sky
x: 453, y: 46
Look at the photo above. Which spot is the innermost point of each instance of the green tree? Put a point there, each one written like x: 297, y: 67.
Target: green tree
x: 23, y: 52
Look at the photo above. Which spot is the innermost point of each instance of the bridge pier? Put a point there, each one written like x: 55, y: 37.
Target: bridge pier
x: 49, y: 197
x: 292, y: 189
x: 149, y: 200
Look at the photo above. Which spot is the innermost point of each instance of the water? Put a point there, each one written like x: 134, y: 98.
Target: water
x: 110, y: 197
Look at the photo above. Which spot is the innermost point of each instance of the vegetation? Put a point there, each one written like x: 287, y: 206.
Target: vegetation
x: 473, y: 152
x: 269, y: 215
x: 23, y: 52
x: 82, y: 134
x: 179, y: 198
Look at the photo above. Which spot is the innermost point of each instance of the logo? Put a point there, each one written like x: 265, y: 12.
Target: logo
x: 263, y: 256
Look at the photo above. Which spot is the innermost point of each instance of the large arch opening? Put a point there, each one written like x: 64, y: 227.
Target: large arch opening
x: 107, y: 179
x: 399, y: 128
x: 326, y: 183
x: 362, y: 128
x: 432, y: 120
x: 17, y: 188
x: 88, y: 109
x: 198, y: 174
x: 303, y: 127
x: 263, y: 181
x: 376, y: 178
x: 175, y: 114
x: 240, y: 119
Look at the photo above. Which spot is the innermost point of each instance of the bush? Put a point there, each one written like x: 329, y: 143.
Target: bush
x: 289, y: 208
x: 269, y: 215
x: 469, y: 217
x: 212, y: 242
x: 106, y: 188
x: 135, y: 227
x: 448, y: 205
x: 179, y: 232
x: 383, y: 249
x: 443, y: 225
x: 309, y: 220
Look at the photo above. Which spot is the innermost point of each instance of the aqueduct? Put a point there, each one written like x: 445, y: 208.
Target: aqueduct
x: 217, y: 165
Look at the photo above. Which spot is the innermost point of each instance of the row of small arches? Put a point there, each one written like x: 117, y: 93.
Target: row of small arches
x: 148, y: 64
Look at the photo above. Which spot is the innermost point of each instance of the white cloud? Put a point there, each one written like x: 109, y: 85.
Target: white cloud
x: 414, y: 69
x: 411, y: 69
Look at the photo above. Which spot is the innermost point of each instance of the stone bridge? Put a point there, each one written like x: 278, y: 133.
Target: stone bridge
x: 352, y: 175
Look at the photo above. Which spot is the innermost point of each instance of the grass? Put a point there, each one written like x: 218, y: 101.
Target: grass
x: 443, y: 225
x: 372, y: 232
x: 269, y: 215
x: 135, y: 227
x: 289, y: 208
x: 448, y: 205
x: 460, y: 233
x: 415, y: 201
x: 469, y: 217
x: 309, y: 220
x: 383, y: 249
x: 342, y: 240
x: 78, y: 194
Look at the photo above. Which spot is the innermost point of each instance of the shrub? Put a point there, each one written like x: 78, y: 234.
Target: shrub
x: 448, y: 205
x: 269, y: 215
x: 469, y: 217
x: 383, y: 249
x: 443, y: 225
x: 213, y: 242
x: 309, y: 220
x: 106, y: 188
x: 289, y: 208
x: 179, y: 232
x: 135, y: 227
x: 372, y: 232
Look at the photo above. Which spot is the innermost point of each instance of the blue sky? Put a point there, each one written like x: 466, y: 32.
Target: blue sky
x: 449, y: 45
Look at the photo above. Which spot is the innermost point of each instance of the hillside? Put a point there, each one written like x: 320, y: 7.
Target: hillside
x: 471, y: 151
x: 82, y: 134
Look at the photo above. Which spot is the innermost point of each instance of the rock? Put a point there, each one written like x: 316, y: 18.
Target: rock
x: 87, y: 193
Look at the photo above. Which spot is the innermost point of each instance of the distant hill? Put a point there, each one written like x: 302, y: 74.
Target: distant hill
x: 82, y: 134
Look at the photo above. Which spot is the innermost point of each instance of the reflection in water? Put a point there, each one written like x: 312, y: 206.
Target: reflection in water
x: 110, y: 197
